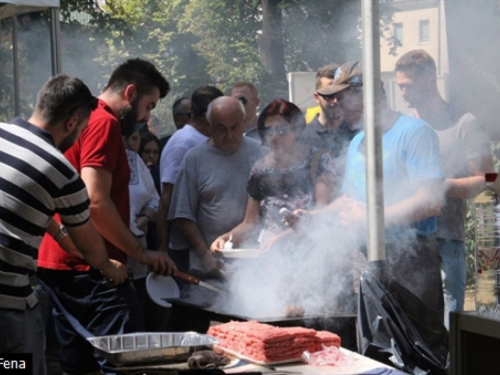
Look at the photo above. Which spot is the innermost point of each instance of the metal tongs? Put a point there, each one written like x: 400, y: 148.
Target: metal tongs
x: 195, y: 281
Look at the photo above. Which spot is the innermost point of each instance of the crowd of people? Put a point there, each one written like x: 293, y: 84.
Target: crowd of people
x: 92, y: 199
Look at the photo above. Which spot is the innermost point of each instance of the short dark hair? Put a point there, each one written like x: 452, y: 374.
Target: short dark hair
x: 201, y: 98
x: 418, y: 62
x: 292, y: 114
x: 327, y: 71
x: 147, y: 137
x: 250, y: 85
x: 140, y: 73
x: 61, y: 96
x: 176, y: 107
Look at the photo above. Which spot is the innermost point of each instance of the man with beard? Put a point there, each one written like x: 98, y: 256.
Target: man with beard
x: 84, y: 302
x: 465, y: 158
x: 36, y: 182
x: 329, y: 130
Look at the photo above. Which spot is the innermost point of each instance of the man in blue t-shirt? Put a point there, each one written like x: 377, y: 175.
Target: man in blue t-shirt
x: 412, y: 189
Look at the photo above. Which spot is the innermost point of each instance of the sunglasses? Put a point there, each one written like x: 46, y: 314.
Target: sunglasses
x: 243, y: 100
x: 272, y: 130
x: 328, y: 97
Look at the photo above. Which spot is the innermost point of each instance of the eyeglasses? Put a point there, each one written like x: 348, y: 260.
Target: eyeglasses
x: 183, y: 114
x: 272, y: 130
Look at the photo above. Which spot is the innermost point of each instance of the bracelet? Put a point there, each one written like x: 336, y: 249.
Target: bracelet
x: 63, y: 232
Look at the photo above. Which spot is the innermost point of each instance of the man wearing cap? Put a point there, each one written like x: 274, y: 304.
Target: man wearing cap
x: 411, y: 179
x: 465, y: 158
x: 328, y: 130
x: 247, y: 94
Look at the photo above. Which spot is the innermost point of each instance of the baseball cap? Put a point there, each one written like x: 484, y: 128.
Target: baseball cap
x: 350, y: 73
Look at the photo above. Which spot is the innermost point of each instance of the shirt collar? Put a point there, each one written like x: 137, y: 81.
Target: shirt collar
x: 33, y: 129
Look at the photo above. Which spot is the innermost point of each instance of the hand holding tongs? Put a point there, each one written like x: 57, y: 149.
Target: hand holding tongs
x: 195, y: 281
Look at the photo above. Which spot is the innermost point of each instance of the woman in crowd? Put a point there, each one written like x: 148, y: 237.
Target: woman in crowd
x: 149, y: 150
x: 144, y: 201
x: 292, y: 176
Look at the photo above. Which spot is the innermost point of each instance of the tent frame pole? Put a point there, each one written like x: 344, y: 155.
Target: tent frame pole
x: 372, y: 126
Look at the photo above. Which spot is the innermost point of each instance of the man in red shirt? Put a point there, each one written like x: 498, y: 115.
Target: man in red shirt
x: 84, y: 302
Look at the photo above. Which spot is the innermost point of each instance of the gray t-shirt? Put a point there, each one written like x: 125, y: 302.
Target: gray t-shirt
x: 211, y: 190
x: 459, y: 143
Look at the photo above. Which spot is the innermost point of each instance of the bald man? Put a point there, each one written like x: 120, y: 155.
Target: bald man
x: 214, y: 176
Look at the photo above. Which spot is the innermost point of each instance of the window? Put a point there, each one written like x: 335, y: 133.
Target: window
x: 424, y: 31
x: 398, y: 33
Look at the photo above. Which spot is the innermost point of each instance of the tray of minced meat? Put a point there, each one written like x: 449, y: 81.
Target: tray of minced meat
x: 266, y: 344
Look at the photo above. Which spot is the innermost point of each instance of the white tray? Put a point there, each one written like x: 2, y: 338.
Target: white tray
x: 160, y: 288
x: 249, y: 359
x: 241, y: 253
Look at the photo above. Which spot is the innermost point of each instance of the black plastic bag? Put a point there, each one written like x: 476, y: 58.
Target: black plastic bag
x: 396, y: 328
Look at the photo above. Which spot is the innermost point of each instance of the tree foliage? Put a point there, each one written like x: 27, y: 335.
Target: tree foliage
x: 220, y: 42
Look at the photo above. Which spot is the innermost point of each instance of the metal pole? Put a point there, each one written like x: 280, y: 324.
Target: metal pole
x: 373, y: 134
x: 55, y: 45
x: 15, y: 53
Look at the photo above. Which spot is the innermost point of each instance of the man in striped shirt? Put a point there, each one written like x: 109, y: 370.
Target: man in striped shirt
x: 37, y: 181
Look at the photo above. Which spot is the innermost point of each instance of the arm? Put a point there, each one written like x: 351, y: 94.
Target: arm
x: 54, y: 229
x: 107, y: 220
x: 149, y: 209
x: 142, y: 220
x: 241, y: 231
x: 162, y: 224
x: 468, y: 187
x: 426, y: 202
x: 323, y: 189
x: 91, y: 246
x: 193, y: 234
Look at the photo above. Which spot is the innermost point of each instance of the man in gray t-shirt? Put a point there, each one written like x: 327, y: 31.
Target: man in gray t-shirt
x: 465, y: 156
x: 210, y: 196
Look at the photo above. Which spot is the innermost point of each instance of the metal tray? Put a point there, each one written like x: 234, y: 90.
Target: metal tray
x: 134, y: 348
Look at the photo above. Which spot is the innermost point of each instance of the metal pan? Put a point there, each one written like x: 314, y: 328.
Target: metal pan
x: 135, y: 348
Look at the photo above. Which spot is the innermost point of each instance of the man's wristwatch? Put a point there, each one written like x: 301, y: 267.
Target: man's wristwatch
x: 63, y: 232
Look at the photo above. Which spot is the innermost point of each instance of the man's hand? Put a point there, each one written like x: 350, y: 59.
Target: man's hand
x: 295, y: 218
x: 142, y: 223
x: 353, y: 215
x: 159, y: 262
x: 115, y: 272
x: 212, y: 264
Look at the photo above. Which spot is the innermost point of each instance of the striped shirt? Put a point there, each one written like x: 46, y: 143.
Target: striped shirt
x: 36, y: 181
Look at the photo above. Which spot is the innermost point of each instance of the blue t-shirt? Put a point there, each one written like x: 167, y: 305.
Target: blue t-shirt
x: 410, y: 152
